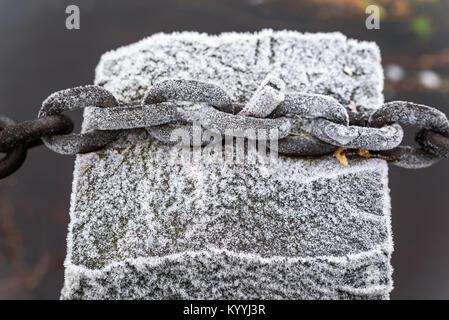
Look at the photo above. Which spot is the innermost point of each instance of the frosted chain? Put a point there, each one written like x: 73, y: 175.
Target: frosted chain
x: 308, y: 125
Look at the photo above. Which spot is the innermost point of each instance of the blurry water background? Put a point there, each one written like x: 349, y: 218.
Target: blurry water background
x: 39, y: 55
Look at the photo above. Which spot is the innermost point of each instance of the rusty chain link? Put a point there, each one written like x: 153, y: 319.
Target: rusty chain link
x: 16, y: 138
x: 15, y: 156
x: 308, y: 125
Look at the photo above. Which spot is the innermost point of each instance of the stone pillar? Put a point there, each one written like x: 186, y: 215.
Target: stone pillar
x: 304, y: 229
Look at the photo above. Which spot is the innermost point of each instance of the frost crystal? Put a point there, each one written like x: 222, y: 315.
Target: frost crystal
x: 142, y: 227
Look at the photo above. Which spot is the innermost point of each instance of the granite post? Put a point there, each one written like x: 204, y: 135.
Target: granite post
x: 142, y: 228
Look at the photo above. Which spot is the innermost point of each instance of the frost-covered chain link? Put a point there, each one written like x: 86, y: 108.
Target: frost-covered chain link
x: 433, y: 136
x: 78, y: 98
x: 308, y: 125
x: 325, y: 124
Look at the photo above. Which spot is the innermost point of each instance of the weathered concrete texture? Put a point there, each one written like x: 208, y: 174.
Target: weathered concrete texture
x: 145, y: 227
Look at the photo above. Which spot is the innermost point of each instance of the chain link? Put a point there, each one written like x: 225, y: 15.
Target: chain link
x: 14, y: 157
x: 18, y: 134
x: 425, y: 119
x: 78, y: 98
x: 433, y: 142
x: 308, y: 125
x: 356, y: 137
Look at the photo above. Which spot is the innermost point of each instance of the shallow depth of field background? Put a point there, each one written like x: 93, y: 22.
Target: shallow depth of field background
x: 39, y: 55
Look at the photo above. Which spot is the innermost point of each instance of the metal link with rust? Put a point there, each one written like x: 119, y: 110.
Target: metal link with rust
x: 16, y: 138
x: 17, y: 134
x: 430, y: 122
x: 15, y: 156
x: 307, y: 125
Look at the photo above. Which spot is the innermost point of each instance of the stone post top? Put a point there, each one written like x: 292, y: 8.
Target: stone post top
x: 321, y: 63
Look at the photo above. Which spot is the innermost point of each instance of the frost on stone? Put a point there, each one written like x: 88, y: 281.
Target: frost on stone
x: 144, y: 227
x: 325, y: 63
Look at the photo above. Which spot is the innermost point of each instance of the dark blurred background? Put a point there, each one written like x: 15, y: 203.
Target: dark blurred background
x: 38, y: 56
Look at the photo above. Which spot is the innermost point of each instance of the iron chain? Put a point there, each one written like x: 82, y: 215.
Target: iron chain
x: 308, y: 125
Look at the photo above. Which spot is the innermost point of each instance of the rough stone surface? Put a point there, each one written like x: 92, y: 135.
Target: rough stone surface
x: 146, y: 226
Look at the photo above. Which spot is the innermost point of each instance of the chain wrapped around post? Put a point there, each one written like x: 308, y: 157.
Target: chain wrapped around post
x: 308, y: 125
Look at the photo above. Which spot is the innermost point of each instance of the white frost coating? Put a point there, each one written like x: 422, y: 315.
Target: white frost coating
x: 144, y: 227
x: 252, y: 275
x: 238, y: 62
x: 266, y: 98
